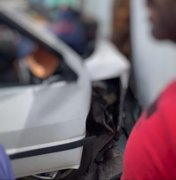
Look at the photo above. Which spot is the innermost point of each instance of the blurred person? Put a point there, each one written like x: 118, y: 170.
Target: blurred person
x: 42, y: 63
x: 22, y: 61
x: 8, y: 71
x: 10, y: 51
x: 6, y: 172
x: 151, y: 149
x: 121, y: 26
x: 69, y: 29
x: 75, y: 30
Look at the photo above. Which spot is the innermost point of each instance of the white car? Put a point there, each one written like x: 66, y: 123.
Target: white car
x: 43, y: 126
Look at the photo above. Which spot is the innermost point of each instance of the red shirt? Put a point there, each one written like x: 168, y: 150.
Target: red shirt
x: 151, y: 149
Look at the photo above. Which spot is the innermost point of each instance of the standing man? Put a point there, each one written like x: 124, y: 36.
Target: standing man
x: 151, y: 149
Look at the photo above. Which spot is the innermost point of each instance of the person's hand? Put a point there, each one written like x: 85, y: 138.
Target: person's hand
x: 42, y: 64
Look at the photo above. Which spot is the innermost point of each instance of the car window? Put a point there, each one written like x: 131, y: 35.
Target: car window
x: 33, y: 57
x: 22, y: 61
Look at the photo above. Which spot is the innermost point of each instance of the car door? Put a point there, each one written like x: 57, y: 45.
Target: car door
x: 43, y: 123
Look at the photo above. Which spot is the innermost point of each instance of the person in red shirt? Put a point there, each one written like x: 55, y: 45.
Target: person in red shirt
x: 151, y: 149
